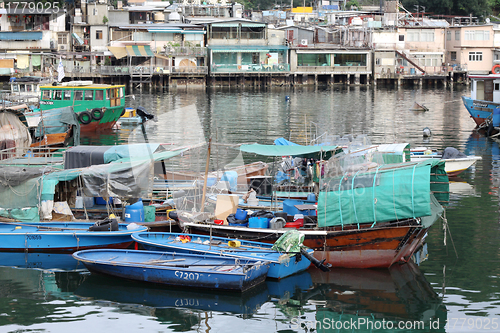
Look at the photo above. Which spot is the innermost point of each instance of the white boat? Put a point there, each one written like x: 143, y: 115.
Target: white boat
x: 453, y: 166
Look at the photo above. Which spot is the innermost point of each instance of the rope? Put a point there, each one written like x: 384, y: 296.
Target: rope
x: 353, y: 201
x: 412, y: 190
x: 374, y: 201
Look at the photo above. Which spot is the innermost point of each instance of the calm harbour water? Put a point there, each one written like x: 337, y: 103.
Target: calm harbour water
x: 452, y: 291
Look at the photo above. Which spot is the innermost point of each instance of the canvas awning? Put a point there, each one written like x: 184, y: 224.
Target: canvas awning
x: 302, y: 151
x: 118, y: 51
x: 78, y: 39
x: 239, y: 50
x: 139, y: 51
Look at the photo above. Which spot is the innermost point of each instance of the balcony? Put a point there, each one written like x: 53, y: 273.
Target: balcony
x: 185, y: 51
x: 252, y: 68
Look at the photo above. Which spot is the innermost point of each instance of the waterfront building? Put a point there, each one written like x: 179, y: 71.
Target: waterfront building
x: 470, y: 48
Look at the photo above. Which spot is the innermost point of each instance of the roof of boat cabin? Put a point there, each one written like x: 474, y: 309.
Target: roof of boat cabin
x: 89, y: 86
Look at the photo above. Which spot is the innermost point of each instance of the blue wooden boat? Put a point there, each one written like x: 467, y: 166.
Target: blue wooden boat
x: 282, y: 265
x: 187, y: 270
x: 61, y: 236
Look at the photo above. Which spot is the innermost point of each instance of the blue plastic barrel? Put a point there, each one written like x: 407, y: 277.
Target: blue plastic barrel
x: 135, y: 212
x: 496, y: 117
x: 240, y: 214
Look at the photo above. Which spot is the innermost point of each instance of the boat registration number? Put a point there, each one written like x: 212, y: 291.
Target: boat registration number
x: 34, y: 237
x: 187, y: 276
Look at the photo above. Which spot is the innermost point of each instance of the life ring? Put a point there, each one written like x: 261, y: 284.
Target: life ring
x: 105, y: 225
x: 496, y: 69
x: 97, y: 114
x: 85, y: 117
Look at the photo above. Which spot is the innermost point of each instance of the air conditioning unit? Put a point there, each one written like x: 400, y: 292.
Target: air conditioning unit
x: 303, y: 42
x: 62, y: 47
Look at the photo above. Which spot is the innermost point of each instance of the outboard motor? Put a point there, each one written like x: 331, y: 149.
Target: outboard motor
x: 145, y: 116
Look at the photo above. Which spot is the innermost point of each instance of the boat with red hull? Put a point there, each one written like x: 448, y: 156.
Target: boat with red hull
x: 370, y: 219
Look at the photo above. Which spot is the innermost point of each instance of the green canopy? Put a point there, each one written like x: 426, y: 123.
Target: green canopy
x: 387, y: 193
x: 318, y: 152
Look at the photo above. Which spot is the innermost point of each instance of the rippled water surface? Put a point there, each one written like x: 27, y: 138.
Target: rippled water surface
x: 455, y: 289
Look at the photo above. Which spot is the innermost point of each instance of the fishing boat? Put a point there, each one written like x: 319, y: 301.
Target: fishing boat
x: 62, y: 237
x: 455, y: 161
x: 21, y: 131
x: 282, y: 264
x: 26, y: 89
x: 366, y: 218
x: 98, y: 106
x: 174, y: 269
x: 484, y: 97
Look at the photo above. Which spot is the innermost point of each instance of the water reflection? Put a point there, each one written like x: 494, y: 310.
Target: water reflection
x: 372, y: 297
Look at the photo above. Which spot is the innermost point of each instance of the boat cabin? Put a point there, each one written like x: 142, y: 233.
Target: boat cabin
x: 485, y: 87
x: 82, y: 96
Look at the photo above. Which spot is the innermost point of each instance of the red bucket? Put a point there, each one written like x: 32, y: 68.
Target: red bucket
x: 219, y: 222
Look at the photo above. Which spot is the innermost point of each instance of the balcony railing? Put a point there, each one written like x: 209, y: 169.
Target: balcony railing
x: 256, y: 68
x: 133, y: 70
x: 185, y: 51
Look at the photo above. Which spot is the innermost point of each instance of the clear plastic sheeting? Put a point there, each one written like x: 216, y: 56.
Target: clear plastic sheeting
x: 14, y: 134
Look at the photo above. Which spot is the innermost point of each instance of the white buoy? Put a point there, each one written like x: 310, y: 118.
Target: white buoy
x: 427, y: 132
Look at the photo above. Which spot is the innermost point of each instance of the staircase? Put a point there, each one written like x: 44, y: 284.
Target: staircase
x: 411, y: 60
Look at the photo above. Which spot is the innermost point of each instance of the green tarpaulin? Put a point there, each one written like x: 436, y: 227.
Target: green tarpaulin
x: 387, y: 193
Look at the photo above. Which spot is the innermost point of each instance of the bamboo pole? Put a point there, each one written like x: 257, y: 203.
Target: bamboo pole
x: 206, y: 176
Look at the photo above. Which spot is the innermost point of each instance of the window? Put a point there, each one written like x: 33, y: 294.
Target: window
x: 122, y: 92
x: 304, y: 59
x: 497, y: 86
x: 477, y: 35
x: 448, y: 35
x: 401, y: 38
x: 58, y: 95
x: 457, y: 34
x: 421, y: 35
x: 15, y: 88
x: 98, y: 34
x: 78, y: 95
x: 89, y: 95
x: 67, y: 95
x: 475, y: 56
x: 99, y: 95
x: 46, y: 95
x: 350, y: 59
x: 453, y: 55
x: 62, y: 39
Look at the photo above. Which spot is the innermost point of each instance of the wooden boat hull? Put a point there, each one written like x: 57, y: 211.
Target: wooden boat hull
x: 187, y: 270
x: 377, y: 247
x: 61, y: 237
x: 479, y: 111
x: 170, y: 242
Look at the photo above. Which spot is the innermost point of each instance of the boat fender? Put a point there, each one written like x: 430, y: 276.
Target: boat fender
x: 97, y: 114
x: 105, y: 225
x: 496, y: 69
x: 85, y: 117
x: 173, y: 215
